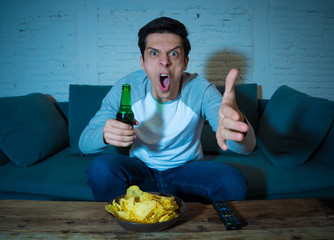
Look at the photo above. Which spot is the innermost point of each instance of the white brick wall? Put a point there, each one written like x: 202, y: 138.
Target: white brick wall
x: 47, y: 45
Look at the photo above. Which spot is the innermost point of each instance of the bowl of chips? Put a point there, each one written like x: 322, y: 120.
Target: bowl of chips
x: 145, y: 211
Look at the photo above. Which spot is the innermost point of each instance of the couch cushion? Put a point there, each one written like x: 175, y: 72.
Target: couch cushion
x: 59, y: 177
x: 246, y: 95
x: 84, y: 102
x: 292, y: 126
x: 31, y: 128
x: 264, y: 179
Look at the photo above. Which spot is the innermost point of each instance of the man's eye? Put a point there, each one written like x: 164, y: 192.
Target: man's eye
x: 154, y: 53
x: 174, y: 54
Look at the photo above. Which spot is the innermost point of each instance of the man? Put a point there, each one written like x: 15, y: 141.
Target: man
x: 170, y: 107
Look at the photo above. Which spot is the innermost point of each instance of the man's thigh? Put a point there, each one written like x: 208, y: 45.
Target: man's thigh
x: 208, y: 181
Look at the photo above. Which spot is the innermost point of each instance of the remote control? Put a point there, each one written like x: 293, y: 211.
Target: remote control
x: 227, y: 216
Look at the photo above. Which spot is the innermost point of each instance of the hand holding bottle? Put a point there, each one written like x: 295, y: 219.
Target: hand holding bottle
x: 118, y: 133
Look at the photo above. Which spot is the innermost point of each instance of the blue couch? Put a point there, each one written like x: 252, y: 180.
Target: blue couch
x: 294, y: 156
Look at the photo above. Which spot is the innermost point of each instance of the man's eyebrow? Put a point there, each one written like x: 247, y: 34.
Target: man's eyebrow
x: 154, y: 49
x: 151, y: 48
x: 177, y: 47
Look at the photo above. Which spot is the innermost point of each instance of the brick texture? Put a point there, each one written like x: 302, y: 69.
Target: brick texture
x: 47, y: 45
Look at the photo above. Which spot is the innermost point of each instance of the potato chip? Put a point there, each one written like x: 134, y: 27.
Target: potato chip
x: 133, y: 191
x: 143, y: 207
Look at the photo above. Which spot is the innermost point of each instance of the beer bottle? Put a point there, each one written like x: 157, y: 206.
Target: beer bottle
x: 125, y: 113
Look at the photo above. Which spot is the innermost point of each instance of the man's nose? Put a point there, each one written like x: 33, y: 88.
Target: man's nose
x: 164, y: 60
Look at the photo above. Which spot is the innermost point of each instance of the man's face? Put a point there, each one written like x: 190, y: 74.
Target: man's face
x: 164, y: 64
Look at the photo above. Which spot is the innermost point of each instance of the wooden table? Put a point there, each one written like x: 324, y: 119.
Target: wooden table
x: 266, y: 219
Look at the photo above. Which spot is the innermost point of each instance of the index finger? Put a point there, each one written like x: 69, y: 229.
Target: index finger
x: 230, y: 81
x: 118, y: 124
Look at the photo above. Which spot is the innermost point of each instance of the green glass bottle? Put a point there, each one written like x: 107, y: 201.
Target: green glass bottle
x: 125, y: 113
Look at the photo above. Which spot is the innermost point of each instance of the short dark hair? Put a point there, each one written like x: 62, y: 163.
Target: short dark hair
x: 164, y: 25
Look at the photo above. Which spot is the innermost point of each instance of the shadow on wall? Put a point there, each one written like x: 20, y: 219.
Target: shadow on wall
x: 220, y: 63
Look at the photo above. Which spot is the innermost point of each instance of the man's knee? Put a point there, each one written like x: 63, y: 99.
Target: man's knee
x: 102, y: 178
x: 230, y: 185
x: 237, y: 186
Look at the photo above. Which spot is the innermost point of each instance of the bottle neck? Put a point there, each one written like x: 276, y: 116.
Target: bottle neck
x: 126, y: 98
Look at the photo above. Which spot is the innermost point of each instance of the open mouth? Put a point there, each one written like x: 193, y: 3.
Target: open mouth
x: 164, y: 82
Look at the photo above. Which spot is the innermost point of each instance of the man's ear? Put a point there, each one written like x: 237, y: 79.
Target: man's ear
x: 142, y: 63
x: 186, y: 61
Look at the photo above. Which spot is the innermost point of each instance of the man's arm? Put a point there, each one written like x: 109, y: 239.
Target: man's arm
x: 103, y: 129
x: 92, y: 137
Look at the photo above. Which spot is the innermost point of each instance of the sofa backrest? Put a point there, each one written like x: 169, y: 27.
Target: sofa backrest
x: 63, y: 108
x: 325, y: 152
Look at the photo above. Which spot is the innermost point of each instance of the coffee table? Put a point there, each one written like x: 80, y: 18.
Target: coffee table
x: 264, y: 219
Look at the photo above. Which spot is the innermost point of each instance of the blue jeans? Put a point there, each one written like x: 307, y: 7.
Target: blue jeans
x: 110, y: 175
